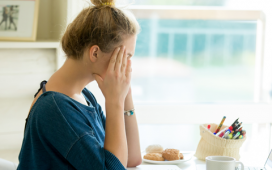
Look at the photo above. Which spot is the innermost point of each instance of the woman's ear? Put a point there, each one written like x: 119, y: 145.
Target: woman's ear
x: 94, y: 53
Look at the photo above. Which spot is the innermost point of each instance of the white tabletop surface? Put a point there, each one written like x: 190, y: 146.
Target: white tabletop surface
x: 246, y: 158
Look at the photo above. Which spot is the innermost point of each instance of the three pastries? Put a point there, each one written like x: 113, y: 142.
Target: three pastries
x: 157, y: 153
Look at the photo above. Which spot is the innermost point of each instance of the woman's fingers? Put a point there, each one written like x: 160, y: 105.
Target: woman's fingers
x: 119, y: 59
x: 124, y: 63
x: 128, y: 70
x: 113, y: 59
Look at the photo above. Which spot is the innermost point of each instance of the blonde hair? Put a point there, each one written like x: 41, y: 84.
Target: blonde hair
x: 102, y: 25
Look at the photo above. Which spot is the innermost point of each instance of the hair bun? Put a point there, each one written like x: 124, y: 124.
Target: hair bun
x: 100, y: 2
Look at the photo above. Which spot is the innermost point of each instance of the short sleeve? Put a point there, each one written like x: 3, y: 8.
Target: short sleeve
x: 87, y: 152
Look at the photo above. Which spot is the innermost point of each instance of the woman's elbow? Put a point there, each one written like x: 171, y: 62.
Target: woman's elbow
x: 134, y: 162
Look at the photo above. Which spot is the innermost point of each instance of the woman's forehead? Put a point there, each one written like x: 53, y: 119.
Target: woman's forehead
x: 130, y: 43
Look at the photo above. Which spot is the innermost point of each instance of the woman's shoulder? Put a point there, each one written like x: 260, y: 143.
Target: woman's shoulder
x: 53, y: 103
x: 52, y: 98
x: 53, y: 109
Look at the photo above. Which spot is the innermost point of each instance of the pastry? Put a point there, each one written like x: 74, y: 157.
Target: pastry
x: 154, y: 149
x: 180, y: 156
x: 171, y: 154
x: 154, y: 157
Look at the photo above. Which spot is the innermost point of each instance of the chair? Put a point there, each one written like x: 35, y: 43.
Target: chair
x: 7, y: 165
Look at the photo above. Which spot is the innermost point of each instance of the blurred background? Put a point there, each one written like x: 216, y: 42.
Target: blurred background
x: 195, y: 62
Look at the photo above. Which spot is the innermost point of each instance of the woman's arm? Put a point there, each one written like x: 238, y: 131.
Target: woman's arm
x: 115, y: 87
x: 133, y: 141
x: 115, y: 135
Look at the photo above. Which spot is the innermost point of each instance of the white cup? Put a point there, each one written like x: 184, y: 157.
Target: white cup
x: 222, y: 163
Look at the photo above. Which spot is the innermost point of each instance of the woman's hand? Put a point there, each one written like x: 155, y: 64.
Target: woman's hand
x: 115, y: 85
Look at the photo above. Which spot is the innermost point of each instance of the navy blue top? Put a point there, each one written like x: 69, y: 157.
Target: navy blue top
x: 63, y: 133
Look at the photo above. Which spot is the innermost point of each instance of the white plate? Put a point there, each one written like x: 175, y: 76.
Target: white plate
x: 186, y: 157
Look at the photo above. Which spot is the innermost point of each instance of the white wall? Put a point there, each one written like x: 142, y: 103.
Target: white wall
x: 22, y: 70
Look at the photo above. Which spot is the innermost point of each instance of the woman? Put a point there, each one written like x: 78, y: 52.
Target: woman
x: 11, y: 12
x: 4, y: 17
x: 66, y: 128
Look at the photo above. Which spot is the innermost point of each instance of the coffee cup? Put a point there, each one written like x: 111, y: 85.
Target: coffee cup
x: 222, y: 163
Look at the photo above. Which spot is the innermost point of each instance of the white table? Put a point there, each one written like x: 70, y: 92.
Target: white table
x: 246, y: 158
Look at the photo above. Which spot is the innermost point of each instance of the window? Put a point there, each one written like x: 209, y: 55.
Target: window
x: 194, y: 61
x: 196, y: 65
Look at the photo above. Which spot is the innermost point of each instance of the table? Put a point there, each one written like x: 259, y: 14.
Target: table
x: 246, y: 158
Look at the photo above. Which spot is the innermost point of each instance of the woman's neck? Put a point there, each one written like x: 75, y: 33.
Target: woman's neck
x: 73, y: 76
